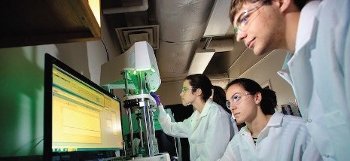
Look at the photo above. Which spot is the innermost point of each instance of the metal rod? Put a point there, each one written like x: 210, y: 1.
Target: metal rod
x: 139, y: 118
x: 125, y: 74
x: 131, y: 129
x: 145, y: 118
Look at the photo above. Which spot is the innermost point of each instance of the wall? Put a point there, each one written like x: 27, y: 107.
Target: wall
x: 266, y: 71
x: 22, y: 87
x: 169, y: 92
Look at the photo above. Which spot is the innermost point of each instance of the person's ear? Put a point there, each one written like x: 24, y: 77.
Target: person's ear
x: 257, y: 98
x: 283, y: 5
x: 198, y: 92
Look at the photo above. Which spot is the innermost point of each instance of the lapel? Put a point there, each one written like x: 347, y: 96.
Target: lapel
x: 299, y: 65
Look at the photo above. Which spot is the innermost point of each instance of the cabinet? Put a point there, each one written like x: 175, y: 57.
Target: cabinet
x: 35, y: 22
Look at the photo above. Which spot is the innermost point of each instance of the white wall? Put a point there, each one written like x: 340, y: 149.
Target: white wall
x: 22, y: 87
x: 96, y: 57
x: 265, y: 71
x: 169, y: 92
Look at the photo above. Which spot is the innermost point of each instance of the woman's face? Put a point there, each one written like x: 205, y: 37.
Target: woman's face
x: 242, y: 104
x: 187, y: 97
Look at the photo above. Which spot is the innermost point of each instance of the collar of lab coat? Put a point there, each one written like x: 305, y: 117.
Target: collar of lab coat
x: 299, y: 64
x: 206, y: 108
x: 306, y: 25
x: 275, y: 120
x: 304, y: 35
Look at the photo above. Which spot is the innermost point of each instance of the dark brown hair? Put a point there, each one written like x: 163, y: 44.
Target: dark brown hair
x: 268, y: 101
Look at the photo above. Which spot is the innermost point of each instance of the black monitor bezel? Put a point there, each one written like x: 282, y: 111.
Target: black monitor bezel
x: 48, y: 80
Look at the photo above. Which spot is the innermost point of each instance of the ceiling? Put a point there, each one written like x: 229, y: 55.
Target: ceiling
x: 189, y: 36
x: 180, y: 31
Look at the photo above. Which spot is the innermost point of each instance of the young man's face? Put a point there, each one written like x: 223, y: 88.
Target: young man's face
x: 260, y: 27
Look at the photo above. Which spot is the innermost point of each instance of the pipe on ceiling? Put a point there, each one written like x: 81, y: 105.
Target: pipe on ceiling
x: 182, y: 25
x: 142, y: 7
x: 221, y: 45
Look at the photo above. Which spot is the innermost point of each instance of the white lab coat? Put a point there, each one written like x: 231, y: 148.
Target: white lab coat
x: 208, y: 132
x: 285, y: 138
x: 319, y: 72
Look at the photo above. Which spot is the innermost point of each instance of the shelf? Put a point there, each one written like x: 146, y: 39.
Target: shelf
x: 36, y: 22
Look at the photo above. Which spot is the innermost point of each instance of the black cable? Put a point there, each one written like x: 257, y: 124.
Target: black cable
x: 105, y: 49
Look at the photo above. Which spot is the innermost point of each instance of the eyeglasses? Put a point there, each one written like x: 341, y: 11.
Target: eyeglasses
x: 236, y: 99
x: 184, y: 89
x: 243, y: 18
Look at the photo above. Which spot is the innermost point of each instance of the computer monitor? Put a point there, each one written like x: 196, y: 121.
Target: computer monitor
x: 82, y: 121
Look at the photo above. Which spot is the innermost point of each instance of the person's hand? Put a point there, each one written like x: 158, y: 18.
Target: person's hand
x: 156, y: 97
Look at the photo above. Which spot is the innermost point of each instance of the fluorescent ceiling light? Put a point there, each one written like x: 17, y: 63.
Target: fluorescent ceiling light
x: 95, y: 7
x: 200, y: 61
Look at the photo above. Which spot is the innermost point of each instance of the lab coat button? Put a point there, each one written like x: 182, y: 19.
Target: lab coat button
x: 308, y: 120
x: 326, y: 156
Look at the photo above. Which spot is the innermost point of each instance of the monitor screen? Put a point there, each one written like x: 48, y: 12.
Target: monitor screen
x: 79, y: 115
